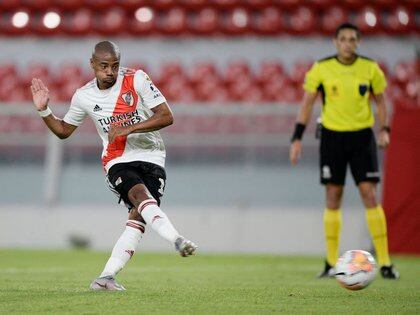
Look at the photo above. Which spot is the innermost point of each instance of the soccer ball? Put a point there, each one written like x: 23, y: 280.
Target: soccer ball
x: 355, y: 269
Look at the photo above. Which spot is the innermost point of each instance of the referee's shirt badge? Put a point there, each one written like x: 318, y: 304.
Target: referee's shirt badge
x: 363, y: 89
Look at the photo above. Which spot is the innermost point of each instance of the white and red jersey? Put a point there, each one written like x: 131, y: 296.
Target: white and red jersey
x: 127, y: 102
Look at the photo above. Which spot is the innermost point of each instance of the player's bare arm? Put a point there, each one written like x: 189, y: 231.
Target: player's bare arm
x: 383, y: 137
x: 304, y: 115
x: 41, y: 97
x: 162, y: 117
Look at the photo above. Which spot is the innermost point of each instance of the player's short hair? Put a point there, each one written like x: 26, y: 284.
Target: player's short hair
x: 107, y: 47
x: 347, y: 26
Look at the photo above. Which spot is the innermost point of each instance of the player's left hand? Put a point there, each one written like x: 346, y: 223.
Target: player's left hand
x: 117, y: 131
x: 383, y: 139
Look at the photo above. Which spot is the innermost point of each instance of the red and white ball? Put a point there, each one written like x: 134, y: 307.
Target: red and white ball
x: 355, y: 269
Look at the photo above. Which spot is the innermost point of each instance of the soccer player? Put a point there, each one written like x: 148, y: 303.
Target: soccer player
x: 127, y: 110
x: 346, y: 81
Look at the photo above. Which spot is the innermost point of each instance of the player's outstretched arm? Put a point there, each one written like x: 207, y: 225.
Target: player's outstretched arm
x: 162, y: 117
x: 41, y: 97
x: 383, y: 137
x: 304, y: 115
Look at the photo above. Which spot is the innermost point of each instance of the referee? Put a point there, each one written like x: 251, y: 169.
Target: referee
x: 345, y: 82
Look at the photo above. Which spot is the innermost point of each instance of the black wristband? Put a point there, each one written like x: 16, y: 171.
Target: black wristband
x: 298, y: 133
x: 386, y: 128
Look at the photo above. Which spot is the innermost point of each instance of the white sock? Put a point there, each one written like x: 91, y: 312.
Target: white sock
x: 124, y: 248
x: 158, y: 220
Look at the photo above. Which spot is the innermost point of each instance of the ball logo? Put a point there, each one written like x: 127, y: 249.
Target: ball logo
x: 128, y: 98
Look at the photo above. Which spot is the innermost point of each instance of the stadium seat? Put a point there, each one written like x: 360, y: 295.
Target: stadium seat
x: 236, y: 22
x: 269, y: 70
x: 163, y: 4
x: 35, y: 70
x: 204, y: 22
x: 133, y: 4
x: 79, y: 22
x: 47, y: 23
x: 237, y: 70
x: 193, y: 4
x: 143, y: 21
x: 37, y: 4
x: 16, y: 22
x: 169, y: 70
x: 99, y: 4
x: 368, y: 21
x: 287, y: 4
x: 10, y: 4
x: 68, y: 4
x: 258, y: 4
x: 268, y: 21
x: 202, y: 71
x: 226, y: 4
x: 404, y: 72
x: 173, y: 21
x: 298, y: 71
x: 321, y: 4
x: 110, y: 22
x: 385, y: 4
x: 68, y: 72
x: 399, y: 21
x: 354, y: 4
x: 332, y: 18
x: 302, y: 21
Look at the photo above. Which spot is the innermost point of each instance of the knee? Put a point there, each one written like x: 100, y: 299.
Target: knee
x: 334, y: 197
x: 368, y: 196
x: 137, y: 194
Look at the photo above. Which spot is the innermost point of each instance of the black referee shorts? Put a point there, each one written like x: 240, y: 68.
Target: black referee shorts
x: 357, y: 148
x: 124, y: 176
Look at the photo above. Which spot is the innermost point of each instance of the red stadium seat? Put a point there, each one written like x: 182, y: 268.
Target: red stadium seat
x: 404, y: 72
x: 78, y: 23
x: 193, y: 4
x: 163, y: 4
x: 138, y: 66
x: 297, y: 74
x: 321, y: 3
x: 332, y: 18
x: 173, y: 21
x: 259, y: 4
x: 37, y: 4
x: 236, y: 22
x: 110, y: 22
x: 385, y: 4
x: 35, y: 70
x: 288, y: 4
x: 399, y: 21
x: 143, y: 22
x: 175, y: 86
x: 48, y: 23
x: 202, y: 71
x: 99, y: 4
x: 170, y: 70
x: 239, y: 89
x: 303, y: 21
x: 236, y: 71
x: 208, y: 89
x: 10, y: 4
x: 269, y: 71
x: 68, y: 72
x: 7, y: 69
x: 280, y: 90
x: 269, y: 21
x: 205, y: 21
x: 16, y: 23
x: 133, y: 4
x: 368, y: 21
x: 226, y: 4
x: 354, y: 4
x: 69, y: 4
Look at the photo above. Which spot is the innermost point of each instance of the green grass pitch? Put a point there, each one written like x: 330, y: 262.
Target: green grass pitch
x: 56, y: 282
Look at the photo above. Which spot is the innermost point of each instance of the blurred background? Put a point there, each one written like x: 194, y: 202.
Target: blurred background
x: 232, y: 71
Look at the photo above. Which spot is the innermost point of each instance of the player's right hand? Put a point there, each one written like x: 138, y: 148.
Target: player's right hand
x: 40, y: 94
x: 295, y: 151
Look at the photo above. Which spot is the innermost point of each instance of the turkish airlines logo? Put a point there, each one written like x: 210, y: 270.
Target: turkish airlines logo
x: 128, y: 98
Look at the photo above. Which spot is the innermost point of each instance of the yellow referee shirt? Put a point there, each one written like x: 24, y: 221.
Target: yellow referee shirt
x: 345, y: 90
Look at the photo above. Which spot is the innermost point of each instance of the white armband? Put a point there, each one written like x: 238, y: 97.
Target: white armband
x: 44, y: 113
